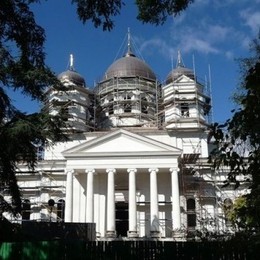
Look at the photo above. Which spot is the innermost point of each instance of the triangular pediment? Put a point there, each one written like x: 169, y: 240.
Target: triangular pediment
x: 121, y: 142
x: 183, y: 79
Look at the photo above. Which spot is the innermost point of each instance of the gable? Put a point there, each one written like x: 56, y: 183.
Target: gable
x: 183, y: 79
x: 121, y: 142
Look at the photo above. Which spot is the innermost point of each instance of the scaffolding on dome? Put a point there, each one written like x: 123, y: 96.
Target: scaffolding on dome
x: 184, y: 105
x: 129, y: 101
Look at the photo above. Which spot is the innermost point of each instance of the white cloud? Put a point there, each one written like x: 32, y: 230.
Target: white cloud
x: 224, y: 4
x: 230, y: 55
x: 203, y: 39
x: 192, y: 43
x: 179, y: 18
x: 252, y: 19
x: 202, y: 1
x: 188, y: 40
x: 159, y: 45
x: 217, y: 32
x: 245, y: 42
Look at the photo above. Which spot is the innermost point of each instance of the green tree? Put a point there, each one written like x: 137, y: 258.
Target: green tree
x: 23, y: 68
x: 236, y: 213
x: 238, y: 142
x: 149, y: 11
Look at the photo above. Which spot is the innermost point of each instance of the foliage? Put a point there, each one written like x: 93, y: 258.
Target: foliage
x: 237, y: 214
x: 156, y: 12
x: 238, y: 142
x: 22, y: 68
x: 149, y: 11
x: 99, y: 12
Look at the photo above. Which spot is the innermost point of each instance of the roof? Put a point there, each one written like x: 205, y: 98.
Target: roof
x: 179, y: 71
x: 129, y: 66
x: 72, y: 76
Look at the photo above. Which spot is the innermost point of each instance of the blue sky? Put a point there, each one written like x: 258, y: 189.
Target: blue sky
x: 209, y: 33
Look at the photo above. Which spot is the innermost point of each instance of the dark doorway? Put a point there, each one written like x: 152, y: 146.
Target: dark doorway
x: 121, y: 218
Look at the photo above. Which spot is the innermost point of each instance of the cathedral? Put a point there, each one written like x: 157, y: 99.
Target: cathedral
x: 136, y: 159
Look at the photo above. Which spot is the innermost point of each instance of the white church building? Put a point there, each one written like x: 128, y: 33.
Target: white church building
x: 136, y: 162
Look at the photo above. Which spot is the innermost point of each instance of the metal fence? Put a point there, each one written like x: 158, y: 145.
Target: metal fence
x: 117, y: 250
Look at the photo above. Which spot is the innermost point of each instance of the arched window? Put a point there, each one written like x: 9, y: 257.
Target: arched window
x: 191, y: 204
x: 26, y: 209
x: 60, y: 210
x: 228, y: 205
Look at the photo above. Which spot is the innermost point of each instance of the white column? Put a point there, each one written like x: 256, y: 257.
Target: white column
x: 154, y: 211
x: 69, y: 196
x: 90, y: 196
x: 111, y: 222
x: 176, y: 212
x: 132, y: 230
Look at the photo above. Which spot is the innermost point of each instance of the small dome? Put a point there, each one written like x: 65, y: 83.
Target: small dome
x: 129, y: 66
x: 72, y: 76
x: 179, y: 71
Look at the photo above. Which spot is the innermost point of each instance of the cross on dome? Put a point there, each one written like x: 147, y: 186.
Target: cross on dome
x: 129, y: 46
x: 180, y: 63
x: 71, y: 63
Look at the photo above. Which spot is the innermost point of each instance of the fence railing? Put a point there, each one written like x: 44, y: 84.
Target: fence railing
x: 117, y: 250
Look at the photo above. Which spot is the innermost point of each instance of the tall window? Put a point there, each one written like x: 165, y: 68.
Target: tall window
x: 111, y: 106
x: 191, y: 204
x: 228, y: 206
x: 144, y: 107
x: 191, y: 213
x: 127, y: 106
x: 111, y: 109
x: 60, y: 210
x: 26, y: 209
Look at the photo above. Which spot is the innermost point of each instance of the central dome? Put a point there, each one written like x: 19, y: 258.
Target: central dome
x: 129, y: 66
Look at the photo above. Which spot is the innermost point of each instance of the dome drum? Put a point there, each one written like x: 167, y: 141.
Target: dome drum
x: 131, y: 84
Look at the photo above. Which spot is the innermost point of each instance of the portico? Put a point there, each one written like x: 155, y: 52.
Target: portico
x: 108, y: 175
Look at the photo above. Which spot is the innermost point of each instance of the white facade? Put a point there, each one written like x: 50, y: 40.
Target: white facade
x: 136, y: 161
